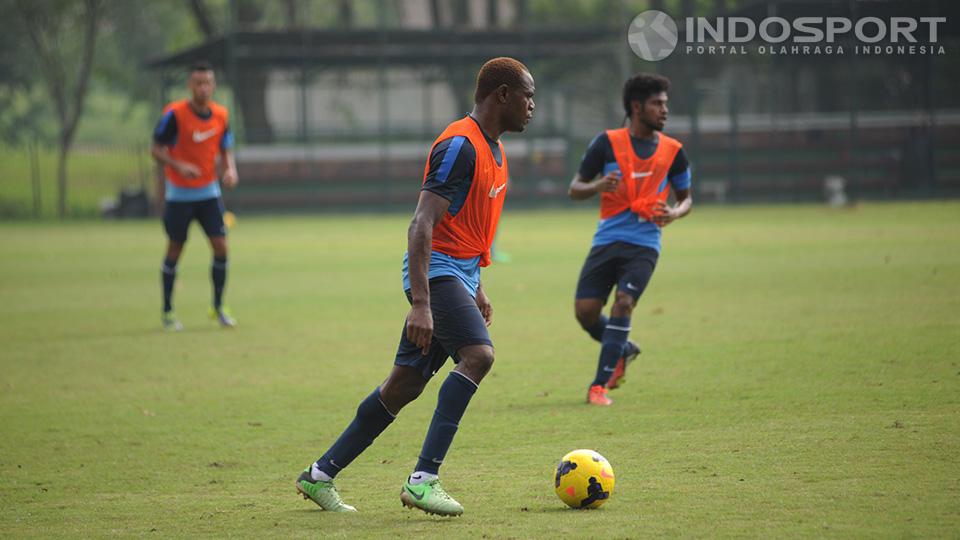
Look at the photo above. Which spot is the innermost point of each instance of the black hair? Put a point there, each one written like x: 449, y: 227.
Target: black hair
x: 200, y: 66
x: 641, y: 86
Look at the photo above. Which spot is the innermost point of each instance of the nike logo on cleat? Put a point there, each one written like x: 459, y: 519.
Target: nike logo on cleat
x: 414, y: 493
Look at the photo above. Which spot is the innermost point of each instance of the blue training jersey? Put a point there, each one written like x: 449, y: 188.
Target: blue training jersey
x: 627, y: 226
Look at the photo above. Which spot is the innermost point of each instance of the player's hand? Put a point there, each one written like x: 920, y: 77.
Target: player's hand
x: 663, y: 214
x: 230, y: 179
x: 486, y: 308
x: 420, y: 327
x: 188, y: 170
x: 609, y: 183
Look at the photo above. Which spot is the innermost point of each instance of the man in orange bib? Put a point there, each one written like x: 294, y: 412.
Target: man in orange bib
x: 449, y: 240
x: 190, y: 137
x: 633, y: 169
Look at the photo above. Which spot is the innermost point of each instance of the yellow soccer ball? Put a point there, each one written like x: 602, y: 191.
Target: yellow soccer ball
x: 229, y: 219
x: 584, y: 479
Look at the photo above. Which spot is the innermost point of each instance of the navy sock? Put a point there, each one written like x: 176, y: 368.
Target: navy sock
x: 455, y: 394
x: 168, y: 273
x: 611, y: 348
x: 372, y: 418
x: 596, y: 331
x: 218, y: 272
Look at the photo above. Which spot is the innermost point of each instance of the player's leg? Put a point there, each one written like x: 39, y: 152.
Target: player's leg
x: 636, y: 274
x: 596, y: 280
x: 210, y: 215
x: 376, y: 412
x: 458, y: 326
x: 176, y: 222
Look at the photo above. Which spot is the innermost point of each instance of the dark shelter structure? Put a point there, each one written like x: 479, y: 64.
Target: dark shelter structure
x: 345, y: 117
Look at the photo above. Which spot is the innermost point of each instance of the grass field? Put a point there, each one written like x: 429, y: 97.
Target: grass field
x: 800, y: 377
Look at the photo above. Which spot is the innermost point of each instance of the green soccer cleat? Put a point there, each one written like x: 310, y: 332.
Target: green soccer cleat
x: 222, y: 316
x: 323, y: 493
x: 430, y: 497
x: 170, y: 322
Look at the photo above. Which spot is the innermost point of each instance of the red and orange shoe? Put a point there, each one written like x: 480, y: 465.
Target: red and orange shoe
x: 630, y: 352
x: 598, y: 396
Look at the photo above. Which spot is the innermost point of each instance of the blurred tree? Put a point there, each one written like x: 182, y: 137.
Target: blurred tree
x: 250, y: 84
x: 64, y: 66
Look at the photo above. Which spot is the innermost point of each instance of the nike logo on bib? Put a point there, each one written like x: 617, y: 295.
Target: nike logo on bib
x: 641, y: 174
x: 494, y: 191
x: 200, y: 136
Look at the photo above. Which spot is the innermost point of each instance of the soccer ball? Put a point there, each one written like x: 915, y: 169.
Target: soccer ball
x: 584, y: 479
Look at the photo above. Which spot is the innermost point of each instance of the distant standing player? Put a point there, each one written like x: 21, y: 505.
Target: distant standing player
x: 448, y: 241
x: 190, y: 136
x: 632, y: 169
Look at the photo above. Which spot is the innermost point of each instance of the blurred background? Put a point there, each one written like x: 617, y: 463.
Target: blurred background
x: 335, y: 103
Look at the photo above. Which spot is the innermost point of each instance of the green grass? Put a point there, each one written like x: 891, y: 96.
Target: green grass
x: 800, y: 377
x: 94, y: 174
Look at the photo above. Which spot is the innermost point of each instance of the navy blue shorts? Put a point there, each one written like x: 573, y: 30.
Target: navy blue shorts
x: 627, y: 266
x: 178, y: 215
x: 457, y: 322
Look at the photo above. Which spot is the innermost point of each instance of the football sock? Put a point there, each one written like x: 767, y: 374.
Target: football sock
x: 596, y: 331
x: 421, y: 477
x: 455, y: 394
x: 611, y: 348
x: 372, y: 418
x: 168, y: 273
x: 318, y: 475
x: 218, y: 272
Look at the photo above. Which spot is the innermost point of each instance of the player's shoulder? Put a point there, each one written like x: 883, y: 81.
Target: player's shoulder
x: 670, y: 141
x: 456, y: 143
x: 219, y: 110
x: 175, y: 106
x: 601, y: 139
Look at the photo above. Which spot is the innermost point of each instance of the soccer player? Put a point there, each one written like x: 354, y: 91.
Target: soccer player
x: 187, y: 141
x: 632, y: 169
x: 448, y: 241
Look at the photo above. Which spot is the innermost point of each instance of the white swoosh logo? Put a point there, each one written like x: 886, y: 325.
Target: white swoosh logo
x: 200, y: 136
x: 641, y: 174
x: 494, y: 191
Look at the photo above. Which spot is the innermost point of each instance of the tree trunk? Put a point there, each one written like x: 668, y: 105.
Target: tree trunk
x: 62, y: 153
x: 44, y: 26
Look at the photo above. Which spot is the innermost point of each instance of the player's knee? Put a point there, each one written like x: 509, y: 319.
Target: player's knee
x: 624, y: 304
x: 174, y: 249
x: 476, y: 361
x: 586, y: 315
x: 397, y: 394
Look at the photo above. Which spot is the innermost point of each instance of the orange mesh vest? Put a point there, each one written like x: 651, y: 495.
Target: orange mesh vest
x: 644, y: 180
x: 470, y: 233
x: 198, y: 142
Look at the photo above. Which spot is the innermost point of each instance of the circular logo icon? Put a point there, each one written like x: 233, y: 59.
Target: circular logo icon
x: 652, y: 35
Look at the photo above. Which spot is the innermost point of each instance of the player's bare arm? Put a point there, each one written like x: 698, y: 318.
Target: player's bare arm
x: 162, y: 154
x: 581, y: 188
x: 430, y: 208
x: 229, y: 164
x: 664, y: 214
x: 483, y: 302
